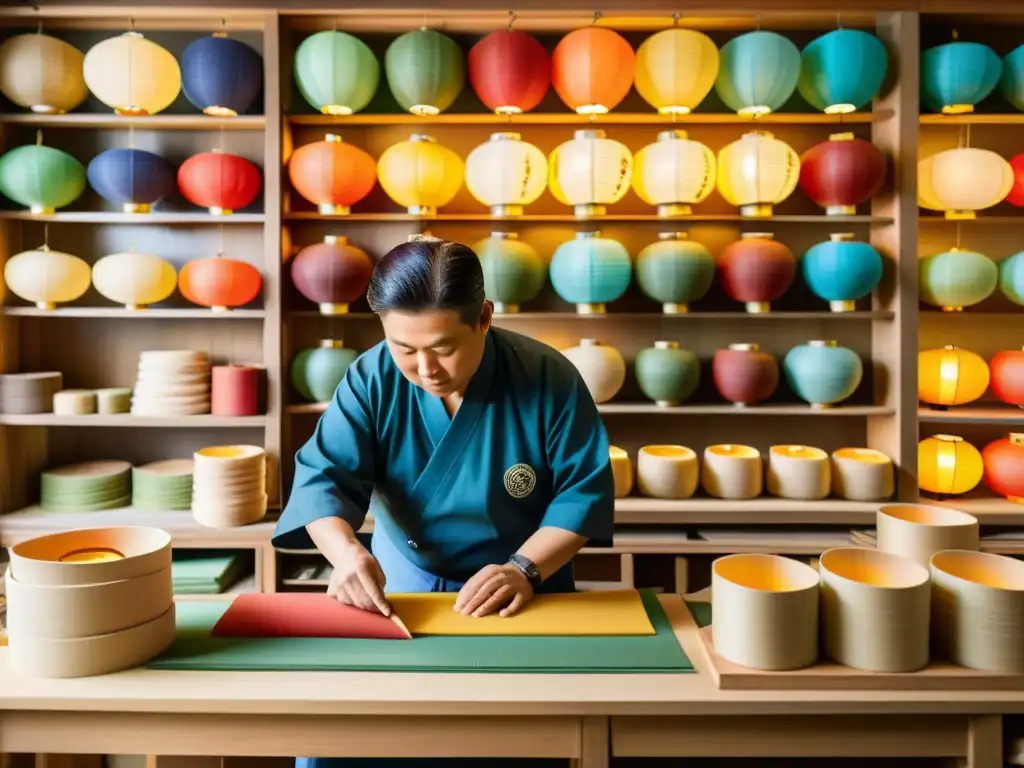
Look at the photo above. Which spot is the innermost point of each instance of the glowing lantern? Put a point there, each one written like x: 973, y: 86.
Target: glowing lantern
x: 1007, y: 371
x: 333, y: 274
x: 132, y: 75
x: 757, y: 172
x: 841, y: 173
x: 590, y: 271
x: 675, y: 70
x: 756, y: 269
x: 510, y: 71
x: 221, y: 76
x: 589, y: 172
x: 41, y: 178
x: 947, y: 465
x: 134, y: 280
x: 332, y: 174
x: 956, y: 279
x: 842, y: 70
x: 506, y: 173
x: 47, y: 277
x: 513, y: 271
x: 758, y: 73
x: 42, y: 73
x: 425, y: 71
x: 219, y: 283
x: 963, y: 180
x: 1004, y: 467
x: 674, y: 173
x: 592, y: 70
x: 420, y: 174
x: 219, y: 181
x: 950, y: 376
x: 841, y: 271
x: 336, y: 73
x: 134, y: 179
x: 957, y: 75
x: 1016, y: 194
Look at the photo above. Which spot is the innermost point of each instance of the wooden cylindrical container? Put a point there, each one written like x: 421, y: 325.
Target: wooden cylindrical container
x: 622, y: 470
x: 875, y: 610
x: 918, y: 531
x: 229, y: 485
x: 667, y: 471
x: 798, y: 472
x: 862, y: 474
x: 235, y: 390
x: 732, y: 472
x: 764, y: 611
x: 74, y: 402
x: 24, y: 393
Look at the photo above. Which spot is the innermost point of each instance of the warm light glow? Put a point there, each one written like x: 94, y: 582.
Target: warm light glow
x: 42, y: 73
x: 951, y: 376
x: 132, y: 75
x: 960, y: 181
x: 47, y: 277
x: 134, y: 280
x: 420, y: 174
x: 772, y: 573
x: 676, y: 69
x: 674, y: 173
x: 948, y: 465
x: 735, y: 451
x: 757, y: 172
x: 506, y: 173
x: 589, y: 172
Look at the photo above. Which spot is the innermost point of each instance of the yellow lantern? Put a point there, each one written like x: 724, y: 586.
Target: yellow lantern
x: 589, y: 172
x: 420, y: 174
x: 948, y: 465
x: 506, y: 173
x: 757, y: 172
x: 675, y: 70
x: 674, y: 173
x: 963, y: 180
x: 47, y: 277
x: 134, y: 279
x: 132, y: 75
x: 42, y: 73
x: 950, y: 376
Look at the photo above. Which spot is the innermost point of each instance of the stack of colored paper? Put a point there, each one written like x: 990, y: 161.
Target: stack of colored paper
x: 205, y: 573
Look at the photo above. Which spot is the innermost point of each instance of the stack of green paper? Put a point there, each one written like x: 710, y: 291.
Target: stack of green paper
x: 163, y: 485
x: 205, y: 572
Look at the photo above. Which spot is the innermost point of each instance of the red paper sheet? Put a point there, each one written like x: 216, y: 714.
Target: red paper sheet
x: 297, y: 614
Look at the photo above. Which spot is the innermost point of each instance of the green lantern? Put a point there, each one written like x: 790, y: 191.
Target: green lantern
x: 317, y: 372
x: 425, y: 71
x: 336, y: 72
x: 667, y: 374
x: 675, y: 271
x: 514, y: 272
x: 41, y: 178
x: 956, y: 279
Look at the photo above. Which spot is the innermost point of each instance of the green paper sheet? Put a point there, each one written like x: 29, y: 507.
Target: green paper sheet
x: 194, y: 649
x: 701, y: 613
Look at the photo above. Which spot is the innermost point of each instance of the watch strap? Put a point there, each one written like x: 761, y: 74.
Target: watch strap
x: 527, y: 567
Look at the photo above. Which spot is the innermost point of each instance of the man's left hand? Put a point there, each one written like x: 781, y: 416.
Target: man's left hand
x: 494, y: 587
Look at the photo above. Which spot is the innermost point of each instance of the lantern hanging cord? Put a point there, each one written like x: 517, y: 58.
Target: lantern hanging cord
x: 757, y: 22
x: 511, y: 19
x: 597, y: 17
x: 46, y: 235
x: 957, y: 246
x: 839, y: 21
x: 220, y: 249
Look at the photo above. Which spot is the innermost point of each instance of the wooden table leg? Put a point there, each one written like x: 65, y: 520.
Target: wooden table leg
x: 984, y: 742
x: 595, y: 746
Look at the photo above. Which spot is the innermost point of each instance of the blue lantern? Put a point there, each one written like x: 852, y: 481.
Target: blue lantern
x: 758, y: 72
x: 822, y: 373
x: 132, y: 178
x: 590, y: 271
x: 1011, y: 84
x: 840, y: 271
x: 1011, y: 278
x: 957, y: 76
x: 221, y: 76
x: 842, y: 71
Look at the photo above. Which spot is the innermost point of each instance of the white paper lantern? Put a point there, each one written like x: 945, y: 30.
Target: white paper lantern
x: 757, y: 172
x: 47, y: 277
x: 963, y: 180
x: 42, y: 73
x: 589, y: 172
x: 134, y: 280
x: 506, y: 173
x: 132, y: 75
x: 674, y: 173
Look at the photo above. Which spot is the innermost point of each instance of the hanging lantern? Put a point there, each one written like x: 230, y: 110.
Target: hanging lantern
x: 947, y: 465
x: 1011, y: 278
x: 956, y: 76
x: 674, y: 173
x: 41, y: 178
x: 332, y: 174
x: 317, y: 372
x: 425, y: 71
x: 219, y: 283
x: 842, y: 270
x: 841, y: 173
x: 220, y: 182
x: 1011, y: 83
x: 675, y: 271
x: 675, y: 70
x: 506, y: 173
x: 950, y: 376
x: 956, y: 279
x: 757, y: 172
x: 1007, y: 374
x: 758, y: 73
x: 47, y: 277
x: 963, y: 180
x: 592, y: 70
x: 589, y: 172
x: 510, y: 71
x: 590, y: 271
x: 336, y: 73
x: 42, y: 73
x: 134, y: 179
x: 332, y: 274
x: 420, y: 174
x: 1004, y: 467
x: 221, y: 76
x: 134, y: 280
x: 132, y: 75
x: 842, y: 71
x: 1016, y: 194
x: 757, y: 270
x: 514, y: 272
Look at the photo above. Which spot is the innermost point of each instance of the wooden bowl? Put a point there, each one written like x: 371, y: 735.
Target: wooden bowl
x: 918, y: 531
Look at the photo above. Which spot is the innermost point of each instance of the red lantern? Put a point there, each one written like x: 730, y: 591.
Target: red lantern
x: 332, y: 273
x: 1007, y: 376
x: 221, y: 182
x: 510, y: 71
x: 756, y: 270
x: 1016, y: 196
x: 332, y: 175
x: 219, y: 283
x: 841, y: 173
x: 744, y: 375
x: 1004, y: 467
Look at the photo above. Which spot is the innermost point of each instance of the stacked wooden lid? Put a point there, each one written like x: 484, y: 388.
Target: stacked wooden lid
x: 229, y: 485
x: 163, y: 485
x: 86, y: 487
x: 172, y: 383
x: 29, y: 392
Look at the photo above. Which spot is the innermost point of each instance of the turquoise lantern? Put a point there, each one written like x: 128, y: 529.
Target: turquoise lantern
x: 758, y: 72
x: 956, y: 76
x: 841, y: 270
x: 842, y: 71
x: 822, y: 373
x: 317, y: 372
x: 956, y: 279
x: 675, y: 271
x: 1011, y: 278
x: 336, y: 72
x: 1011, y: 84
x: 590, y: 271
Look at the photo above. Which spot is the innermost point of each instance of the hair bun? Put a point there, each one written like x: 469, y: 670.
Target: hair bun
x: 425, y: 237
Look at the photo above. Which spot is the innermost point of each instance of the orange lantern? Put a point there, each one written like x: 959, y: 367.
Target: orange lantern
x: 1004, y: 467
x: 219, y: 283
x: 332, y: 175
x: 592, y: 70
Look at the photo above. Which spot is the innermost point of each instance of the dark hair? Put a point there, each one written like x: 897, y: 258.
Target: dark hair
x: 428, y: 273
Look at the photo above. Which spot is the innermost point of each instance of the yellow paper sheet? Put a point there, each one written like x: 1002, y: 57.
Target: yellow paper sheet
x: 615, y: 612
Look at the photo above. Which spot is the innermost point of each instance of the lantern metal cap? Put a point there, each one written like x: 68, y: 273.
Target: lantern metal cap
x: 1017, y: 438
x: 588, y: 235
x: 666, y: 345
x: 673, y: 235
x: 745, y: 347
x: 331, y: 344
x: 336, y: 239
x: 333, y: 138
x: 845, y: 136
x: 841, y: 237
x: 757, y: 236
x: 506, y: 136
x: 673, y: 135
x: 505, y: 235
x: 589, y: 133
x: 949, y: 438
x: 589, y: 343
x: 422, y: 137
x: 950, y: 348
x: 759, y: 134
x: 823, y: 343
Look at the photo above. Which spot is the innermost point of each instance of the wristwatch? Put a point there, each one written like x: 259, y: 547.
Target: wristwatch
x: 528, y: 568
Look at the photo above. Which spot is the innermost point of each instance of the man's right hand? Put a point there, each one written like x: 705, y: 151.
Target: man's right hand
x: 358, y: 579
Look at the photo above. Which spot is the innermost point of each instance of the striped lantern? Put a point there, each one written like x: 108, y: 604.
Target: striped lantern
x: 758, y: 73
x: 506, y: 173
x: 589, y: 172
x: 132, y: 75
x: 842, y: 71
x: 674, y: 173
x: 220, y: 283
x: 676, y: 70
x: 332, y: 274
x: 221, y: 182
x: 590, y: 271
x: 841, y: 173
x: 592, y: 70
x: 41, y: 178
x: 337, y: 73
x: 425, y: 71
x: 134, y: 179
x: 42, y: 73
x: 510, y: 71
x: 332, y: 174
x: 956, y: 76
x: 757, y: 172
x: 221, y: 76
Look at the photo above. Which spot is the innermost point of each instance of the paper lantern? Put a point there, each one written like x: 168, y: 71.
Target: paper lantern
x: 132, y: 75
x: 221, y: 76
x: 841, y: 173
x: 420, y: 174
x: 675, y: 70
x: 506, y: 173
x: 332, y: 174
x: 757, y: 270
x: 601, y: 366
x: 514, y: 272
x: 956, y: 279
x: 947, y: 465
x: 510, y: 71
x: 1011, y: 83
x: 842, y: 270
x: 675, y: 271
x: 336, y: 73
x: 317, y: 372
x: 42, y: 73
x: 666, y: 374
x: 589, y: 172
x: 592, y: 70
x: 47, y: 277
x: 134, y: 179
x: 758, y: 73
x: 674, y: 173
x: 956, y: 76
x: 744, y: 375
x: 757, y: 172
x: 1011, y: 278
x: 1007, y: 376
x: 842, y: 71
x: 1004, y: 467
x: 219, y: 283
x: 1016, y: 193
x: 590, y: 271
x: 332, y: 274
x: 134, y: 280
x: 950, y: 376
x: 425, y: 71
x: 822, y: 373
x: 219, y: 181
x: 963, y: 180
x: 41, y: 178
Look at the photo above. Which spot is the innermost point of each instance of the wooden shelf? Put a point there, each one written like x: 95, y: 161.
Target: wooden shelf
x: 83, y: 313
x: 152, y: 122
x: 764, y: 510
x: 973, y: 119
x: 203, y: 421
x: 996, y: 414
x: 112, y: 217
x: 692, y: 410
x: 611, y: 317
x: 568, y: 218
x: 979, y: 219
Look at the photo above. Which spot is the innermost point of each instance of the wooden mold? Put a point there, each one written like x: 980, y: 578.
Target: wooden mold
x: 918, y: 531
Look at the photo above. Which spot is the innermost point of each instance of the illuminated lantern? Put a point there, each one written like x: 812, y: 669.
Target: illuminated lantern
x: 1011, y: 278
x: 592, y: 70
x: 1016, y: 193
x: 134, y: 179
x: 336, y: 73
x: 47, y: 277
x: 1007, y: 372
x: 757, y: 270
x: 601, y: 366
x: 950, y: 376
x: 134, y: 280
x: 1011, y: 83
x: 841, y: 271
x: 675, y: 70
x: 425, y: 71
x: 42, y: 73
x: 947, y: 465
x: 956, y: 279
x: 41, y: 178
x: 332, y: 274
x: 332, y: 174
x: 963, y: 180
x: 1004, y: 467
x: 506, y: 173
x: 420, y: 174
x: 744, y: 375
x: 758, y: 73
x: 842, y: 71
x: 675, y: 271
x: 757, y: 172
x: 841, y: 173
x: 590, y: 271
x: 221, y: 76
x: 219, y: 283
x: 589, y: 172
x: 514, y: 272
x: 510, y: 71
x: 956, y: 76
x: 132, y: 75
x: 674, y: 173
x: 822, y: 373
x: 219, y: 181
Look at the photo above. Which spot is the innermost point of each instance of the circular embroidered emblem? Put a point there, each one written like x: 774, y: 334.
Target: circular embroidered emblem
x: 520, y: 480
